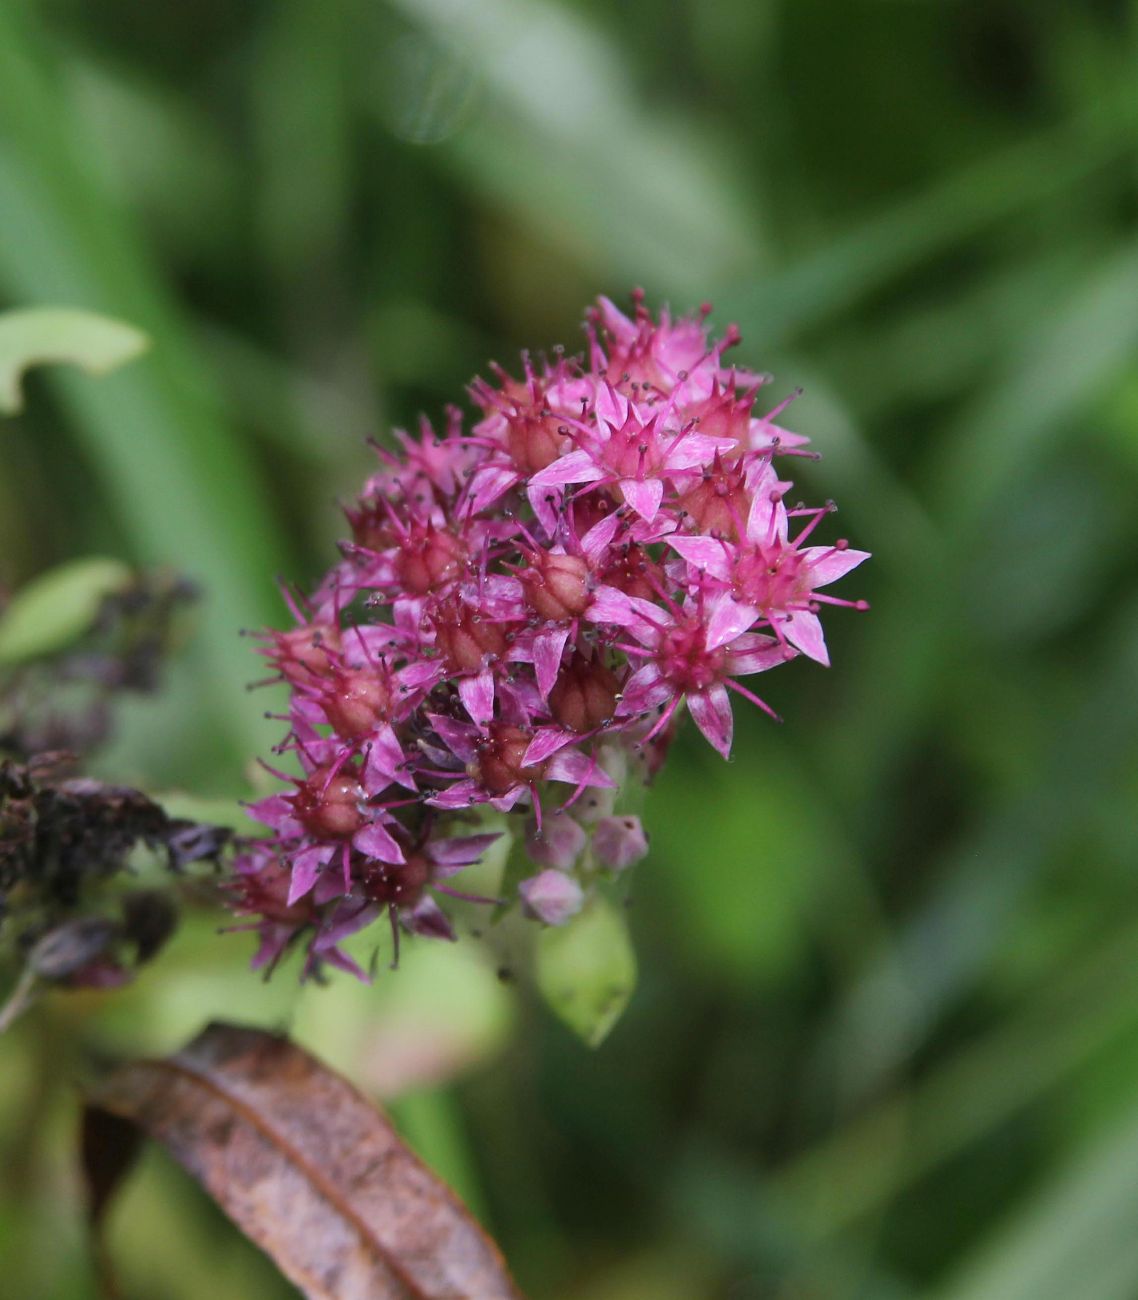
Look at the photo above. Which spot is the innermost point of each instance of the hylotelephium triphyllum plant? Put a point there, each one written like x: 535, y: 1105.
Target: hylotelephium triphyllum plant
x: 515, y: 625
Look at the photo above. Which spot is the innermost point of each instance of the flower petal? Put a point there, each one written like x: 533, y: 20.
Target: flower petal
x: 428, y: 918
x: 375, y: 841
x: 577, y: 467
x: 827, y: 564
x: 305, y: 868
x: 708, y: 554
x: 644, y: 496
x: 547, y: 649
x: 477, y: 695
x: 804, y: 630
x: 728, y: 620
x: 711, y: 711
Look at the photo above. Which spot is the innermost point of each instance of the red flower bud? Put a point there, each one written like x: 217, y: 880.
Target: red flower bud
x: 305, y: 652
x: 719, y: 502
x: 584, y: 696
x: 534, y: 440
x: 355, y: 702
x: 401, y: 884
x: 329, y: 808
x: 499, y: 765
x: 629, y: 573
x: 556, y: 585
x: 428, y: 558
x: 466, y: 637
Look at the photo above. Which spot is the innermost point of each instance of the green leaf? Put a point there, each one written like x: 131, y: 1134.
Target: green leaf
x: 58, y: 606
x: 586, y: 970
x: 42, y: 335
x: 1074, y: 1238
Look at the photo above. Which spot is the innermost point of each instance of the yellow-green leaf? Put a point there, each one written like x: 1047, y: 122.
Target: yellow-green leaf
x: 36, y: 336
x: 586, y: 970
x: 58, y: 606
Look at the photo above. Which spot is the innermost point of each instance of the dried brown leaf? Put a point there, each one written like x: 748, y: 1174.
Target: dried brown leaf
x: 303, y: 1164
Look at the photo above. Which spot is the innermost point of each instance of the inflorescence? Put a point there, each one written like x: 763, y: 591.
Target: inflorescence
x: 516, y: 621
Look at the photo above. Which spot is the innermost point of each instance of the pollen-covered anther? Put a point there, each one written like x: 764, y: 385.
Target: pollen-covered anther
x: 329, y: 806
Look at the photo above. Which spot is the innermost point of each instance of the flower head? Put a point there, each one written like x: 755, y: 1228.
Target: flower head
x: 520, y: 615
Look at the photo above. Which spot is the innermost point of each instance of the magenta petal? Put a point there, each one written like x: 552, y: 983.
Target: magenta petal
x: 598, y: 539
x: 375, y: 841
x: 305, y: 868
x: 460, y: 795
x: 755, y: 654
x: 489, y: 484
x: 334, y: 957
x: 611, y: 406
x: 828, y: 565
x: 276, y: 812
x: 477, y: 695
x: 460, y: 850
x: 421, y: 676
x: 577, y: 467
x: 610, y: 605
x: 351, y: 915
x: 711, y: 711
x: 428, y: 918
x: 546, y: 503
x: 728, y: 620
x: 386, y: 762
x: 616, y: 322
x: 578, y: 769
x: 547, y: 742
x: 694, y: 450
x: 644, y: 690
x: 547, y: 648
x: 643, y: 496
x: 804, y: 630
x: 708, y: 554
x: 457, y: 736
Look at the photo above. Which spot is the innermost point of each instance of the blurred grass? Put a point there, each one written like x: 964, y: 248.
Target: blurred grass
x: 886, y: 1040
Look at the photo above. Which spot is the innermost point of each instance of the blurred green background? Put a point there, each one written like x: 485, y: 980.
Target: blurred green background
x: 886, y: 1039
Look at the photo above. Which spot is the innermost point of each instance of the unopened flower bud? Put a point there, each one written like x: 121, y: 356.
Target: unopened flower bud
x: 534, y: 441
x: 467, y: 637
x: 305, y: 652
x: 551, y: 896
x: 429, y: 558
x: 558, y: 843
x: 499, y: 766
x: 556, y: 585
x: 619, y: 842
x: 355, y: 702
x: 329, y: 808
x: 584, y: 695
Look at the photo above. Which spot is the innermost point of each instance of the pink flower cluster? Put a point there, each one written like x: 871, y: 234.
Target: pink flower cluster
x: 515, y: 623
